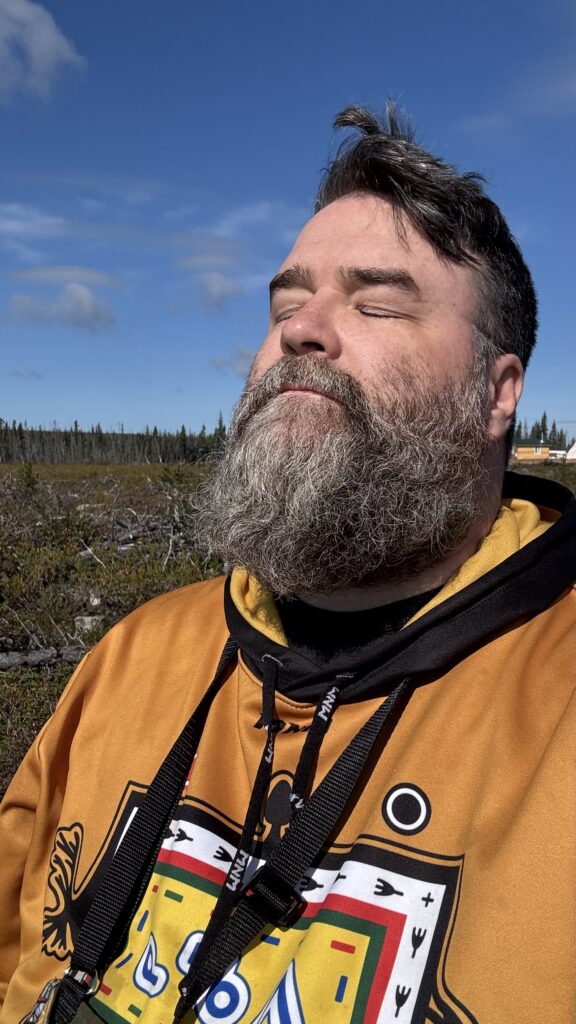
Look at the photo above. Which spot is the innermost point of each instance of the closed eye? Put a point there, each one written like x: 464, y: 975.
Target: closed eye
x: 382, y: 314
x: 285, y: 314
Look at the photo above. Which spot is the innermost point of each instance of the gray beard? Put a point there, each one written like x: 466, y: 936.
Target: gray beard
x: 315, y: 496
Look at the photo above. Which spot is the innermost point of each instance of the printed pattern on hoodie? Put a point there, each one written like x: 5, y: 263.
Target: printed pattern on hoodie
x: 367, y: 948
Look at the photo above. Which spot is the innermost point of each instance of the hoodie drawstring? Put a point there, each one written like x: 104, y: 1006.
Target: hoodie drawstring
x: 234, y: 883
x: 321, y: 720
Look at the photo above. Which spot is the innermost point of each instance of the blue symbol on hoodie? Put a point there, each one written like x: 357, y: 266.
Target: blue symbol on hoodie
x: 150, y: 976
x: 284, y: 1007
x: 228, y: 1001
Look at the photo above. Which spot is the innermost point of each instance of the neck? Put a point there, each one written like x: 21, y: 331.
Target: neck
x: 353, y: 599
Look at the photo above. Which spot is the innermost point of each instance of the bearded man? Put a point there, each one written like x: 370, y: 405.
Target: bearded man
x: 365, y: 806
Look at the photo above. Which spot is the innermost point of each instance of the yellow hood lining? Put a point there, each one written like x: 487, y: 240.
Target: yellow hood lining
x: 518, y: 523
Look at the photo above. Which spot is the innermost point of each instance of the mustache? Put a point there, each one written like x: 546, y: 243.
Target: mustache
x: 302, y: 372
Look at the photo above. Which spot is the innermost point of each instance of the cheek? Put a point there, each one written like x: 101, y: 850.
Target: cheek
x: 268, y: 354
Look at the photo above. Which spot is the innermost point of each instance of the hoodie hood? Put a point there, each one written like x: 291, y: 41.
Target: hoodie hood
x: 525, y: 563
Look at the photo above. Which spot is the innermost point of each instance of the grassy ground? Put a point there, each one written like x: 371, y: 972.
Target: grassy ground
x: 80, y: 547
x: 563, y: 472
x: 27, y: 697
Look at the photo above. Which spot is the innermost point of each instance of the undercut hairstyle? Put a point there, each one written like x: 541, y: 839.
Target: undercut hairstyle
x: 451, y: 210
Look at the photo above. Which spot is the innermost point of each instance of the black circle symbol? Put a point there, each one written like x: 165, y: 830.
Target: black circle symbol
x: 406, y: 808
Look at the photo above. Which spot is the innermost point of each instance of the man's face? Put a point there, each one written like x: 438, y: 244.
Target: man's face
x: 356, y: 453
x: 357, y: 294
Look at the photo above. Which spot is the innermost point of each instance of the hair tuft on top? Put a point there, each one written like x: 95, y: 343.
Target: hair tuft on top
x: 392, y: 123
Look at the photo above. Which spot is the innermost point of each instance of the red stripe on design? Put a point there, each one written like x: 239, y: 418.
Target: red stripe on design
x: 192, y: 865
x: 342, y: 946
x: 394, y: 923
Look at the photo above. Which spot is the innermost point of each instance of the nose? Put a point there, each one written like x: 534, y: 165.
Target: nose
x: 311, y: 330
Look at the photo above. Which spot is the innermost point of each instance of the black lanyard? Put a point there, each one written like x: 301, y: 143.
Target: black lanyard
x: 116, y: 900
x: 269, y: 898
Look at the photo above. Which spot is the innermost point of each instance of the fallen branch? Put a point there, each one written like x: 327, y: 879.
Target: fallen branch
x: 36, y: 659
x: 95, y: 557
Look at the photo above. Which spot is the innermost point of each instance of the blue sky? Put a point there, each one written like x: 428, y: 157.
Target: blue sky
x: 159, y: 159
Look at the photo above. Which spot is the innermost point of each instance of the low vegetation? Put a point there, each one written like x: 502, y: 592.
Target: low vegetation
x: 80, y: 547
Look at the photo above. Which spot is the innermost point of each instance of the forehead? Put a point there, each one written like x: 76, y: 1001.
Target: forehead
x: 362, y: 230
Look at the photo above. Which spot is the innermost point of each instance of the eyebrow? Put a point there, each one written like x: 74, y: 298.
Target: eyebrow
x: 300, y: 276
x: 297, y: 276
x: 395, y: 277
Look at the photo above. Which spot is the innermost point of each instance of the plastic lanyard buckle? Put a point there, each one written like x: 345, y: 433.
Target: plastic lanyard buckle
x: 273, y: 898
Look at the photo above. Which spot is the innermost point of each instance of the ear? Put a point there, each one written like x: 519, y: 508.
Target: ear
x: 506, y: 383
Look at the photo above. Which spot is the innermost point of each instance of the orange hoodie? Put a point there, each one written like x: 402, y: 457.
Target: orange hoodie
x: 447, y: 892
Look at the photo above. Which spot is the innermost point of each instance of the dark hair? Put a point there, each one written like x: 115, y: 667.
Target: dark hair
x: 451, y: 210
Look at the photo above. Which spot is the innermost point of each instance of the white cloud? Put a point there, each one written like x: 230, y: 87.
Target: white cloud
x: 92, y: 206
x: 232, y: 254
x: 216, y: 289
x: 239, y: 362
x: 235, y: 221
x: 67, y: 275
x: 75, y: 306
x: 131, y: 189
x: 206, y: 251
x: 180, y: 213
x: 548, y: 92
x: 137, y: 195
x: 278, y: 219
x: 258, y: 282
x: 20, y: 224
x: 33, y: 50
x: 22, y: 252
x: 27, y: 375
x: 554, y: 93
x: 482, y: 124
x: 96, y: 190
x: 240, y: 236
x: 20, y: 221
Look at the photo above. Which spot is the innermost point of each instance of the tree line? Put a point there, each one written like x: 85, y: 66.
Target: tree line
x: 541, y: 431
x: 21, y: 443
